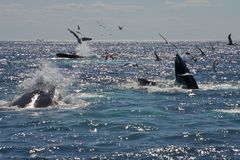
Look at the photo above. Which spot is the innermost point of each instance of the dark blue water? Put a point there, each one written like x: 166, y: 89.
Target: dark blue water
x: 105, y: 114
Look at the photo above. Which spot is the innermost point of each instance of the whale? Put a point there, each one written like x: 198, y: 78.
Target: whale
x: 145, y: 82
x: 40, y: 97
x: 67, y: 55
x: 183, y: 77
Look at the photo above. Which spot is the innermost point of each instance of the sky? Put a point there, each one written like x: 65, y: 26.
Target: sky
x: 142, y: 19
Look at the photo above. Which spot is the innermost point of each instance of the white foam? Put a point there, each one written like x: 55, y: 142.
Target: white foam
x: 84, y: 50
x: 48, y: 74
x: 162, y: 86
x: 230, y: 111
x: 220, y: 86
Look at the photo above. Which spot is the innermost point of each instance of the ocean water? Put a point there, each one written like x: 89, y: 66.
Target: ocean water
x: 105, y: 114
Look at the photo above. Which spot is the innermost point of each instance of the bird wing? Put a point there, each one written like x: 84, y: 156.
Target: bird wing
x: 163, y: 38
x: 75, y: 35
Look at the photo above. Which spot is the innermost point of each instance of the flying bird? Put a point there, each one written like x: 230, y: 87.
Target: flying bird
x: 167, y: 41
x: 215, y: 63
x: 157, y: 57
x: 101, y: 24
x: 75, y: 35
x: 193, y: 58
x: 202, y: 53
x: 120, y: 28
x: 230, y: 40
x: 109, y: 56
x: 79, y: 32
x: 213, y: 49
x: 163, y: 38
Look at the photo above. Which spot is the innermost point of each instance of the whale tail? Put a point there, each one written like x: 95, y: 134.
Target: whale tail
x: 183, y: 76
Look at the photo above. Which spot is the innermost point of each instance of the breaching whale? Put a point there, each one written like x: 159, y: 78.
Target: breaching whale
x: 80, y: 40
x: 183, y: 77
x: 39, y: 98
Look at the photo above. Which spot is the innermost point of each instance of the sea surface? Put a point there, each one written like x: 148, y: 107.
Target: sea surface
x: 105, y: 114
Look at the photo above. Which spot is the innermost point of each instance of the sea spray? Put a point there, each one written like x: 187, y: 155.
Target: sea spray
x: 46, y: 74
x: 83, y: 50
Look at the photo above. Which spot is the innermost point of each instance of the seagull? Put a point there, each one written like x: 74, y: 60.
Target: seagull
x: 215, y: 63
x: 109, y: 56
x: 120, y: 27
x: 202, y: 53
x: 163, y: 38
x: 213, y: 49
x: 193, y: 58
x: 75, y: 35
x: 79, y: 32
x: 101, y: 24
x: 157, y: 57
x: 230, y: 40
x: 167, y: 41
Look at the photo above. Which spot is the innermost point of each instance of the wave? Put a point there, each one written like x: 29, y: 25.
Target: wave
x: 220, y: 86
x: 230, y: 111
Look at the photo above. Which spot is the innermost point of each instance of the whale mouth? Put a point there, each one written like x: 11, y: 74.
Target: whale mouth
x: 33, y: 100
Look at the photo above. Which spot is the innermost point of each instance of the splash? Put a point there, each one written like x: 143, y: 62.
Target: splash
x: 83, y: 50
x: 162, y: 86
x: 220, y: 86
x: 230, y: 111
x: 48, y: 74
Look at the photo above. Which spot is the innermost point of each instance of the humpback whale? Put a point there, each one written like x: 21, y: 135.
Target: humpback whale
x: 145, y: 82
x: 182, y: 75
x: 66, y: 55
x: 38, y: 98
x: 230, y: 42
